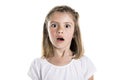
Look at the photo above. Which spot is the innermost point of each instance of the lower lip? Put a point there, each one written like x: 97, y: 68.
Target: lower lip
x: 60, y: 40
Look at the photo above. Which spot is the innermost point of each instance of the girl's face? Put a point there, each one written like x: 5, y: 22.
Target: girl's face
x: 61, y: 29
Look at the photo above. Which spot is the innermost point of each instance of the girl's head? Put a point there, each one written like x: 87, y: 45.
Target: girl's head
x: 69, y: 32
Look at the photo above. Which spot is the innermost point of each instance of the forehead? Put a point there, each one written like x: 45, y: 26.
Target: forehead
x: 62, y: 16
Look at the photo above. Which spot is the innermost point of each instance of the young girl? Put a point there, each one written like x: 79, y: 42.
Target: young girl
x: 62, y: 56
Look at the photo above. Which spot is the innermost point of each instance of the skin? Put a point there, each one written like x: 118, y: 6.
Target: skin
x: 61, y: 25
x: 91, y: 78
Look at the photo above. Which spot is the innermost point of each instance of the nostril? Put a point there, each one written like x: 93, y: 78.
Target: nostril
x: 60, y: 32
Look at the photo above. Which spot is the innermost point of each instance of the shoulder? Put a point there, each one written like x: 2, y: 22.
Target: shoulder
x: 83, y: 59
x: 35, y: 68
x: 37, y: 61
x: 87, y: 66
x: 83, y: 62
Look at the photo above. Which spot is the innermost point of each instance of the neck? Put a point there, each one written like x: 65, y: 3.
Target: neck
x: 62, y: 52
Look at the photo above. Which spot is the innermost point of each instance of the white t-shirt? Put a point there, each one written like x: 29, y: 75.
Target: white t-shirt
x: 80, y: 69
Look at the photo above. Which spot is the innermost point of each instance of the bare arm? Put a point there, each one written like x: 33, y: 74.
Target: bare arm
x: 91, y: 78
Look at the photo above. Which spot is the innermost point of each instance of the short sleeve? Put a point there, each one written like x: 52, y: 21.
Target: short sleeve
x: 34, y: 70
x: 89, y: 68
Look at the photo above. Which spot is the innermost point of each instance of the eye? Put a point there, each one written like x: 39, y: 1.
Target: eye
x: 54, y: 25
x: 67, y: 26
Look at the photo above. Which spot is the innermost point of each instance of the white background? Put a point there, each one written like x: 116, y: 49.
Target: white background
x: 21, y: 23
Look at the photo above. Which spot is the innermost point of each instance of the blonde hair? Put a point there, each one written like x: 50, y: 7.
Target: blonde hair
x: 76, y: 43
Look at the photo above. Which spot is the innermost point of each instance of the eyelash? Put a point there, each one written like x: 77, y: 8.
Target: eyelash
x: 67, y: 26
x: 55, y: 25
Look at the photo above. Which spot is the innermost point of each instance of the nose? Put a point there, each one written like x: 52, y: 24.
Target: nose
x: 60, y: 30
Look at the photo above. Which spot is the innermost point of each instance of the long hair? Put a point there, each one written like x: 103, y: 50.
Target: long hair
x: 76, y: 43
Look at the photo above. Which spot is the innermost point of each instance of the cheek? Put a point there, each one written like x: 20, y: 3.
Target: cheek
x: 52, y: 32
x: 70, y: 34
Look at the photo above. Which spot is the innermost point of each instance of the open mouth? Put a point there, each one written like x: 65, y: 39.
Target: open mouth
x: 60, y: 39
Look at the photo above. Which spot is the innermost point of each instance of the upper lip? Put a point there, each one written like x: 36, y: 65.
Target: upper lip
x: 58, y: 37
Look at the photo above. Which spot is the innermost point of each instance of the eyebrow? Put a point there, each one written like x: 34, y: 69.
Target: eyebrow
x: 53, y: 22
x: 58, y: 22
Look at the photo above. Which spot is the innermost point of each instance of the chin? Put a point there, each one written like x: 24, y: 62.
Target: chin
x: 60, y: 46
